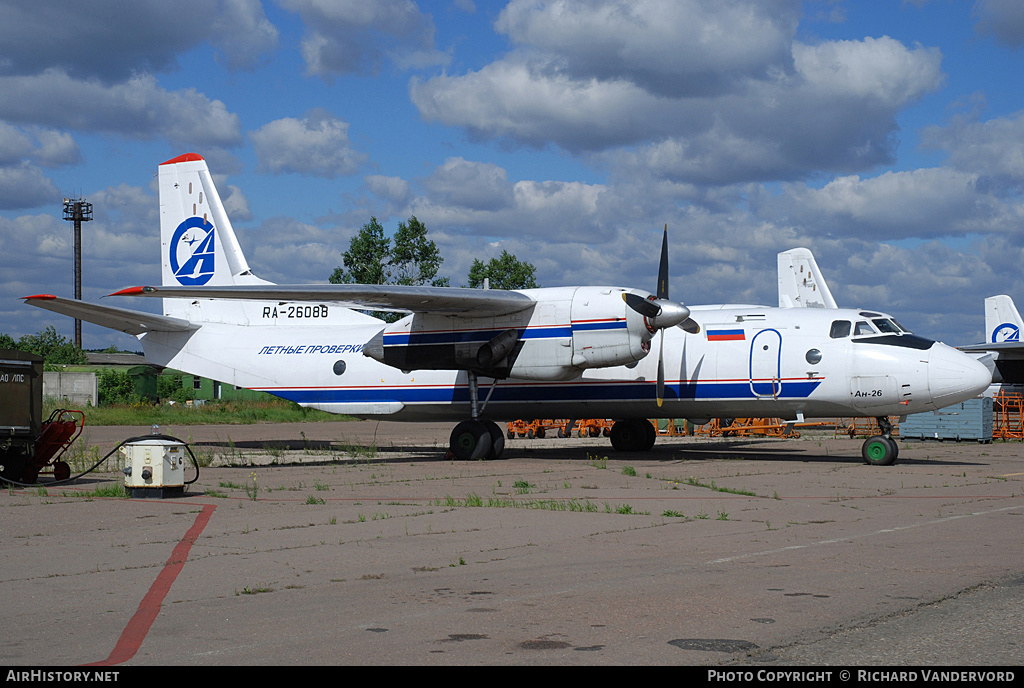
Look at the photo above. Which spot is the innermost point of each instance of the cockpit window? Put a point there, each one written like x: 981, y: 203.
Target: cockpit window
x: 840, y: 329
x: 863, y: 327
x: 886, y: 326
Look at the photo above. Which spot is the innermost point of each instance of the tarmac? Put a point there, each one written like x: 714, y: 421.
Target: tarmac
x: 360, y: 543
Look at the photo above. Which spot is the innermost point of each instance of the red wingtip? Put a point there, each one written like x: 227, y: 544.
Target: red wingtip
x: 187, y: 157
x: 48, y: 297
x: 133, y: 291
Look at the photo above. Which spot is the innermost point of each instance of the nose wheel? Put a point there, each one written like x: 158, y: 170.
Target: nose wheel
x: 881, y: 450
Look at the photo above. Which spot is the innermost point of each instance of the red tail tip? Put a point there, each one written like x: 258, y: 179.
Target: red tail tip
x: 187, y: 157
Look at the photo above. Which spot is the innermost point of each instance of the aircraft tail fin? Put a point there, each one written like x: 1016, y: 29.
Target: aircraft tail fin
x: 198, y: 244
x: 1002, y: 321
x: 801, y: 284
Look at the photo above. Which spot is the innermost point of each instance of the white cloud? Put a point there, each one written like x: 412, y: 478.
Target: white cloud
x: 683, y: 47
x: 137, y: 108
x: 112, y: 40
x: 1003, y: 19
x: 474, y: 185
x: 881, y: 70
x: 825, y: 107
x: 925, y: 203
x: 994, y: 149
x: 24, y: 186
x: 354, y: 36
x: 315, y: 145
x: 391, y: 188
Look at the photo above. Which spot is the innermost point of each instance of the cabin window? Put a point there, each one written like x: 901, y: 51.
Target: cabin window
x: 840, y: 329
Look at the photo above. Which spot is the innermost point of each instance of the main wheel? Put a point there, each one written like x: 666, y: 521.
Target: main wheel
x: 879, y: 451
x: 470, y: 440
x: 633, y: 435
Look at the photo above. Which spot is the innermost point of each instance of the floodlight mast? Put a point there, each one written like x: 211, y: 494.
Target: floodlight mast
x: 78, y: 211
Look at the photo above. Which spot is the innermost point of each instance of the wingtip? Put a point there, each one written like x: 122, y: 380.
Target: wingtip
x: 133, y: 291
x: 39, y: 297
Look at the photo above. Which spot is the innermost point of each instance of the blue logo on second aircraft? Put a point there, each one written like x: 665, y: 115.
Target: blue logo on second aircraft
x: 1007, y: 332
x: 191, y: 252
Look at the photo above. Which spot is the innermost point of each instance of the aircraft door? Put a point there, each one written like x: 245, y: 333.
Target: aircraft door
x: 765, y: 366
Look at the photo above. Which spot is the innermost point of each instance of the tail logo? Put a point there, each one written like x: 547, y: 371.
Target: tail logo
x: 191, y: 252
x: 1007, y: 332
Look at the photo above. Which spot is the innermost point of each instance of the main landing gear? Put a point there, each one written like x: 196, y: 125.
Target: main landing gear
x: 633, y: 434
x: 881, y: 450
x: 475, y: 439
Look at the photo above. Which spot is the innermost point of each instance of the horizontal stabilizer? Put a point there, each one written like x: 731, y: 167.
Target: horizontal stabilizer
x: 389, y: 297
x: 121, y: 319
x: 1004, y: 349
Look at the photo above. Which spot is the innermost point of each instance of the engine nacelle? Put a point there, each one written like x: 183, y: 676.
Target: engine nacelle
x: 567, y: 331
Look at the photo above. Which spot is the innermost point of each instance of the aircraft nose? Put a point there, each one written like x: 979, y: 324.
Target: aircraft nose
x: 953, y: 376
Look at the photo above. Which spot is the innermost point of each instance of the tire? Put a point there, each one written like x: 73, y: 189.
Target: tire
x: 879, y: 451
x: 470, y: 440
x: 497, y: 440
x: 633, y: 435
x: 61, y: 471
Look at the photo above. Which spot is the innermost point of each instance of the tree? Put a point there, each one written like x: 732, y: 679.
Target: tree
x: 503, y: 272
x: 371, y: 259
x: 368, y: 258
x: 55, y: 348
x: 414, y: 258
x: 116, y: 387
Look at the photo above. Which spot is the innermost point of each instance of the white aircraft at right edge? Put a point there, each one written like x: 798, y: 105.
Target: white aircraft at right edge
x: 481, y: 356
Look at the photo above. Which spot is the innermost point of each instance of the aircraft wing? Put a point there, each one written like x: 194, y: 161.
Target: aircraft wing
x: 1001, y: 348
x: 121, y: 319
x: 383, y: 297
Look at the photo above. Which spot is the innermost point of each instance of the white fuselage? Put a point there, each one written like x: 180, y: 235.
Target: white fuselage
x: 746, y: 361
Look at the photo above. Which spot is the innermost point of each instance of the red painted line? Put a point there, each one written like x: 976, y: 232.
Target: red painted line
x: 135, y: 632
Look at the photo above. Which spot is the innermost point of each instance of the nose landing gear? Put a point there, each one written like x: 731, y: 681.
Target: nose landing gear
x: 881, y: 450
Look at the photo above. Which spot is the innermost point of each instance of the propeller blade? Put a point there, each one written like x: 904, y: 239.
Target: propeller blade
x: 661, y: 369
x: 646, y: 308
x: 662, y: 292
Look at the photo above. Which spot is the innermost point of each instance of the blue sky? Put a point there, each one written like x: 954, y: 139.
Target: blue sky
x: 886, y: 137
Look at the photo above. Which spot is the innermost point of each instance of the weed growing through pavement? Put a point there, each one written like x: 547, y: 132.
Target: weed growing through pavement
x: 522, y: 486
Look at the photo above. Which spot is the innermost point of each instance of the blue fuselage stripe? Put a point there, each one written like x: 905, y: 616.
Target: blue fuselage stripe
x: 548, y: 393
x: 456, y: 337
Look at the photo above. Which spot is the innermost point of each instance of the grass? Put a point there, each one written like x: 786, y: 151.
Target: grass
x: 111, y: 490
x: 716, y: 488
x: 212, y: 413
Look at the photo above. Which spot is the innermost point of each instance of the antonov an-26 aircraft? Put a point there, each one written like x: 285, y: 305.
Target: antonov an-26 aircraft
x: 478, y: 356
